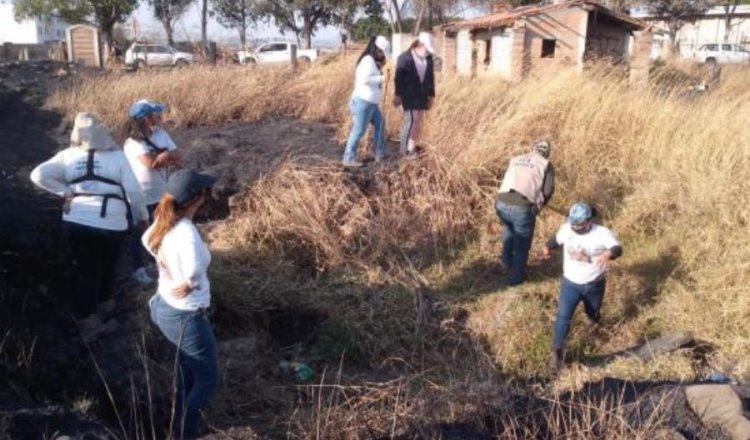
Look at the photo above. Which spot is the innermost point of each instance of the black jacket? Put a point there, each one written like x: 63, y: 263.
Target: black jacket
x: 413, y: 92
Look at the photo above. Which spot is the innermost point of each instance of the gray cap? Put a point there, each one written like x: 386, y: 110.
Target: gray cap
x: 185, y: 185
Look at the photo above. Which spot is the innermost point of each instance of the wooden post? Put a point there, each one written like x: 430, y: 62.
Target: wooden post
x: 293, y: 52
x: 212, y: 52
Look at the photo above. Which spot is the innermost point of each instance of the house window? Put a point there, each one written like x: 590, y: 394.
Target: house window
x: 548, y: 48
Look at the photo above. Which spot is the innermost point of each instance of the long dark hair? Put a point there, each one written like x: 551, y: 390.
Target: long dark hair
x: 372, y: 50
x: 136, y: 129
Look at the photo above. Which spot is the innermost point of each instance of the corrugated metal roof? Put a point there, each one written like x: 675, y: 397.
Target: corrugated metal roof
x: 504, y: 19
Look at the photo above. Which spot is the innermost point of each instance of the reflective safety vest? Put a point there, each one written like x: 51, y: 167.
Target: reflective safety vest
x: 90, y: 176
x: 525, y: 175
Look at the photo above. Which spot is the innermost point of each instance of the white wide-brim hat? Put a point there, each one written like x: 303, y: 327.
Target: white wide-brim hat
x: 89, y: 133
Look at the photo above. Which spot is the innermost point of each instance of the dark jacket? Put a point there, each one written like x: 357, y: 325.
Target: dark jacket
x: 414, y: 93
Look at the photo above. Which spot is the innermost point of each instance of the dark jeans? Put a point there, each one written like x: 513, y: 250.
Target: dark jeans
x: 94, y: 254
x: 519, y: 224
x: 570, y: 295
x: 197, y: 376
x: 137, y: 252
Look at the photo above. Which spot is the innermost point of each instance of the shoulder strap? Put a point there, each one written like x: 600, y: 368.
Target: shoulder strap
x: 153, y: 148
x: 90, y: 173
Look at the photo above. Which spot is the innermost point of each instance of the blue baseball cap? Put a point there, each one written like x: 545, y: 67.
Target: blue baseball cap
x: 144, y: 108
x: 579, y: 213
x: 185, y: 185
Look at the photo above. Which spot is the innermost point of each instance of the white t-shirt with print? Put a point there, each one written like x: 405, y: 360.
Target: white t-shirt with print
x: 183, y: 256
x: 580, y: 250
x: 153, y: 181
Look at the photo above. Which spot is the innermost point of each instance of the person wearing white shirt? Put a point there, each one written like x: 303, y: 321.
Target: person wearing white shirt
x: 179, y: 307
x: 152, y: 154
x: 102, y: 200
x: 588, y: 248
x: 366, y: 97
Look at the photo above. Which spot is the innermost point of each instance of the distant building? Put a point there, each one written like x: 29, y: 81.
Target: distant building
x: 708, y: 28
x: 511, y: 42
x: 30, y: 31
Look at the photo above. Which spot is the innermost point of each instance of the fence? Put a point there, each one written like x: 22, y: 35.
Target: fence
x: 26, y: 52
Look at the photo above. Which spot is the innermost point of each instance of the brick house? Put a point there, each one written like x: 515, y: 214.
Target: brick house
x: 510, y: 43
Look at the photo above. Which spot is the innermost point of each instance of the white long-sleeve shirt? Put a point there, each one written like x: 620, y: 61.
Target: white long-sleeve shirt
x: 368, y: 81
x: 56, y: 174
x: 182, y: 257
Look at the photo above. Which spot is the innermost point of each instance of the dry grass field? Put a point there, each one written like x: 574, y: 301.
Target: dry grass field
x: 402, y: 261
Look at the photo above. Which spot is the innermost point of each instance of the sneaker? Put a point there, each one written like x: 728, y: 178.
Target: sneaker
x: 352, y: 164
x: 411, y: 156
x: 556, y: 360
x: 142, y: 276
x: 380, y: 158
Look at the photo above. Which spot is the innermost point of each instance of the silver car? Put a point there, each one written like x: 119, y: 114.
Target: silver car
x: 142, y: 55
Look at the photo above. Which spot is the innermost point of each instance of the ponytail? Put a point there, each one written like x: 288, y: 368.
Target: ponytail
x: 166, y: 216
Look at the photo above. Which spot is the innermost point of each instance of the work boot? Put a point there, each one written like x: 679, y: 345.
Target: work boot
x: 557, y: 360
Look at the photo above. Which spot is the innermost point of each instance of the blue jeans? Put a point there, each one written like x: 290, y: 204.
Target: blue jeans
x: 136, y: 249
x: 570, y: 295
x: 197, y: 375
x: 363, y: 114
x: 519, y: 224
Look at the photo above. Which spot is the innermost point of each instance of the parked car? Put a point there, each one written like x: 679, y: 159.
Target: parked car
x: 142, y: 55
x: 276, y: 52
x: 725, y: 53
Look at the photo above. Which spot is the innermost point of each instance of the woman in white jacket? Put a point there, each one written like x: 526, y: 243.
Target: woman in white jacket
x: 101, y: 201
x: 366, y: 98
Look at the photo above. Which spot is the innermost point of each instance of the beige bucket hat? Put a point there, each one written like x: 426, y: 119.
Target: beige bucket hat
x: 89, y: 134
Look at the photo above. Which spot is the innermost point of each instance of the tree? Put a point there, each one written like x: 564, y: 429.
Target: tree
x: 393, y: 9
x: 366, y: 27
x: 103, y: 13
x: 675, y: 13
x: 313, y: 13
x: 236, y: 14
x: 167, y: 12
x: 730, y: 6
x: 204, y: 24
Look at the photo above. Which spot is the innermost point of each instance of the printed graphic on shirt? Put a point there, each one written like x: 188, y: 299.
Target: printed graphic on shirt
x: 581, y: 250
x: 579, y: 254
x: 88, y: 185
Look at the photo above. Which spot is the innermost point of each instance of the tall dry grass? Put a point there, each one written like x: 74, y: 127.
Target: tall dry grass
x: 668, y: 169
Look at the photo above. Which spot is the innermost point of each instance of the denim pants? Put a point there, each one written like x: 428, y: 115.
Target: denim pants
x: 518, y: 233
x: 94, y: 254
x: 197, y: 375
x: 411, y: 130
x: 363, y: 114
x: 136, y: 249
x: 570, y: 295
